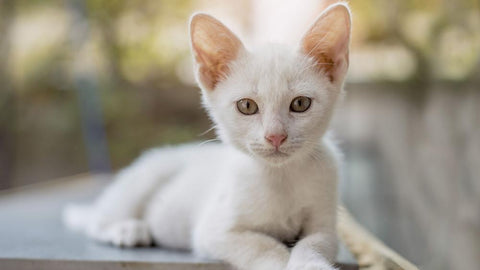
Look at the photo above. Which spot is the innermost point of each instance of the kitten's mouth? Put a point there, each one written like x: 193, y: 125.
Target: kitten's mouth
x: 275, y: 156
x: 277, y: 153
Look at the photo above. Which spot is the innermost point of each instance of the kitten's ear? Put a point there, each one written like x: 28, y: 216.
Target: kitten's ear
x: 328, y: 39
x: 214, y: 46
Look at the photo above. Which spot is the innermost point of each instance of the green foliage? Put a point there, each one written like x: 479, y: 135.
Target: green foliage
x: 136, y: 48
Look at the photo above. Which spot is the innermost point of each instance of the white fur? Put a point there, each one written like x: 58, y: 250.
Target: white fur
x: 238, y: 201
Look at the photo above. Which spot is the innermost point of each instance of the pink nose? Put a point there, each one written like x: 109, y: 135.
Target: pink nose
x: 276, y: 139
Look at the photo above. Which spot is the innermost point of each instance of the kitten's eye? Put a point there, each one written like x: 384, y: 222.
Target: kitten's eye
x: 300, y: 104
x: 247, y: 106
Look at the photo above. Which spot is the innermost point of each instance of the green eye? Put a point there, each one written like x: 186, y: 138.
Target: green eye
x: 247, y: 106
x: 300, y: 104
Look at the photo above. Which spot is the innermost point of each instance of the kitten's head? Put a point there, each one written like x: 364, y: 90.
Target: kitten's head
x: 275, y: 102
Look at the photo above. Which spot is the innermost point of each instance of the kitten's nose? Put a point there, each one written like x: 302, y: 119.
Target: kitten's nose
x: 276, y: 139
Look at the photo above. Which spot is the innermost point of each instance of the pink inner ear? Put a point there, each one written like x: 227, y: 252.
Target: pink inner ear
x: 211, y: 74
x: 327, y: 41
x: 214, y: 46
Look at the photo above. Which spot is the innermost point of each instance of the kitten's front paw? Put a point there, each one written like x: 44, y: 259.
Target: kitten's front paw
x: 129, y: 233
x: 320, y: 265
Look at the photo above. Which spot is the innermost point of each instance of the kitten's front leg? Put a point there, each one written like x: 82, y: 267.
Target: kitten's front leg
x: 314, y: 252
x: 246, y: 250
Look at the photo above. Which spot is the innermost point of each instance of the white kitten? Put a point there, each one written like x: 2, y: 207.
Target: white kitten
x: 273, y: 180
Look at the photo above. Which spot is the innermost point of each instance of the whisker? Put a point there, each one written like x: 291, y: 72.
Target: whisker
x: 207, y: 131
x: 208, y: 141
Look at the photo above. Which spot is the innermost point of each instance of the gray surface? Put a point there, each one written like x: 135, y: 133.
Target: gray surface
x: 33, y: 237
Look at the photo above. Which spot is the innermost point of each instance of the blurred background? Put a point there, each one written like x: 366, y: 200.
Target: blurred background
x: 86, y: 86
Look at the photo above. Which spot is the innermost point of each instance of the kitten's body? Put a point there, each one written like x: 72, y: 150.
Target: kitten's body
x: 241, y: 200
